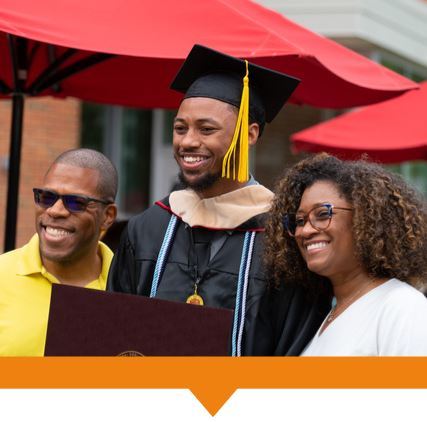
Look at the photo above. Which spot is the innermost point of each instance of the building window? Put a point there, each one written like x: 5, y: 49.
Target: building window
x: 123, y: 135
x: 414, y: 172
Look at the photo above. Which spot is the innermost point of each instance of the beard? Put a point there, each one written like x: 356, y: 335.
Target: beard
x: 204, y: 182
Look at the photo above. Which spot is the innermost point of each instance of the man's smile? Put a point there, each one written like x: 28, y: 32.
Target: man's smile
x: 191, y: 161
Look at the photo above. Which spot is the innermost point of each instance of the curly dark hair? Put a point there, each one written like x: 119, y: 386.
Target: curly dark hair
x: 389, y: 221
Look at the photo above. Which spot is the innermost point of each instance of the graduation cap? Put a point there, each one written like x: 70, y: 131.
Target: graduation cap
x: 259, y: 94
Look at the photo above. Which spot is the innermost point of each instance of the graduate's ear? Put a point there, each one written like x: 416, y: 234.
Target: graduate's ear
x: 253, y: 133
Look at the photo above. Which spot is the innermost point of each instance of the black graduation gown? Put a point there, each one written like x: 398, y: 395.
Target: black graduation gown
x: 276, y: 322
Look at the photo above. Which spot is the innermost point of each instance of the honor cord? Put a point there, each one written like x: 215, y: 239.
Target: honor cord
x: 164, y: 251
x: 242, y: 286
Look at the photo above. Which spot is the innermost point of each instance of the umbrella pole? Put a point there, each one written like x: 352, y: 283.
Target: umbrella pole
x: 14, y: 171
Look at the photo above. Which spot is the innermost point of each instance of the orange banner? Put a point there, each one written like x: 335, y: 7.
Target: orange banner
x: 212, y: 380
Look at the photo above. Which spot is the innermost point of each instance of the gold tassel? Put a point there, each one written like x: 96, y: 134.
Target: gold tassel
x: 242, y: 133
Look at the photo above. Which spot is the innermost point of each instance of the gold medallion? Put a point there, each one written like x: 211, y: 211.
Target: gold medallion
x: 195, y: 299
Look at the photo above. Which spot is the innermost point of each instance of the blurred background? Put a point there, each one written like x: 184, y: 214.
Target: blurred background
x: 391, y: 32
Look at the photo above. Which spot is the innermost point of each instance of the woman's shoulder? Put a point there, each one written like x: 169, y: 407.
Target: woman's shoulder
x: 399, y: 296
x: 395, y: 289
x: 402, y: 324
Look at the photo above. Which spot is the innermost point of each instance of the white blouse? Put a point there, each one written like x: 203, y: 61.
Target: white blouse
x: 389, y: 320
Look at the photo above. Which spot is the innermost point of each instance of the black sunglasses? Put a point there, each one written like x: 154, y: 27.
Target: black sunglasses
x: 73, y: 203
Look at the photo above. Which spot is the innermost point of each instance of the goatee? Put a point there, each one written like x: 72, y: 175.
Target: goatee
x: 204, y: 182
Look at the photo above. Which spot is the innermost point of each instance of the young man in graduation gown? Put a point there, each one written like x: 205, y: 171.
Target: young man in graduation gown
x: 203, y: 245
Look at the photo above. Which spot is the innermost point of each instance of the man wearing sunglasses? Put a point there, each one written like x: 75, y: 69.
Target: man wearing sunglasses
x: 74, y: 206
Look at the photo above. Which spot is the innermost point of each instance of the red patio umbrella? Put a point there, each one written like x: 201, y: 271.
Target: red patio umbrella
x: 390, y: 132
x: 126, y: 52
x: 152, y: 38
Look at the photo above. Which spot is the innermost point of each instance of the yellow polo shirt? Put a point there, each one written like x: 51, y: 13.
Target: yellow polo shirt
x: 25, y: 289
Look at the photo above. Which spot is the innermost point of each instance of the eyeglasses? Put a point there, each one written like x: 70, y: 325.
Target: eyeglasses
x: 319, y: 217
x: 73, y: 203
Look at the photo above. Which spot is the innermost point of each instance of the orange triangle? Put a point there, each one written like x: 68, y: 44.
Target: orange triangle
x: 212, y: 398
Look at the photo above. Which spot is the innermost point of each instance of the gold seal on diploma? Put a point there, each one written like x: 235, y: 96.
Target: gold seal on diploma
x: 130, y: 353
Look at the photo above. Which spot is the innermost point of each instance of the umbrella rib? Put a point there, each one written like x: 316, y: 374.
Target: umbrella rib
x: 33, y: 52
x: 4, y: 87
x: 50, y: 70
x: 17, y: 49
x: 13, y: 59
x: 59, y: 75
x: 52, y: 58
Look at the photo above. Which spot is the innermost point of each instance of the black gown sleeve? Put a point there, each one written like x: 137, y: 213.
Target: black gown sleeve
x: 122, y: 273
x: 133, y: 264
x: 288, y: 319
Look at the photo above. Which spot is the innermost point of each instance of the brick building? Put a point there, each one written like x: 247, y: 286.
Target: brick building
x: 50, y: 126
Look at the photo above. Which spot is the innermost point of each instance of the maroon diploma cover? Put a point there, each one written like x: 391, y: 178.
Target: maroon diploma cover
x: 87, y: 322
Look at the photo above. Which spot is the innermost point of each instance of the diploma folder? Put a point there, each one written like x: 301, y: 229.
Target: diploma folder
x: 87, y: 322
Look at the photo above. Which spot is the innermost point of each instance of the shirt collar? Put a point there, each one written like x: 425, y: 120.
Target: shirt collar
x: 107, y: 257
x: 251, y: 181
x: 31, y: 262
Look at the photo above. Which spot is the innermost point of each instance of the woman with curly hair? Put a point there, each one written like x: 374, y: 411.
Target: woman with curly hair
x: 363, y: 231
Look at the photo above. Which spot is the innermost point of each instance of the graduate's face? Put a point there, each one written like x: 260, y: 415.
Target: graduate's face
x: 330, y: 252
x: 203, y: 129
x: 66, y: 236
